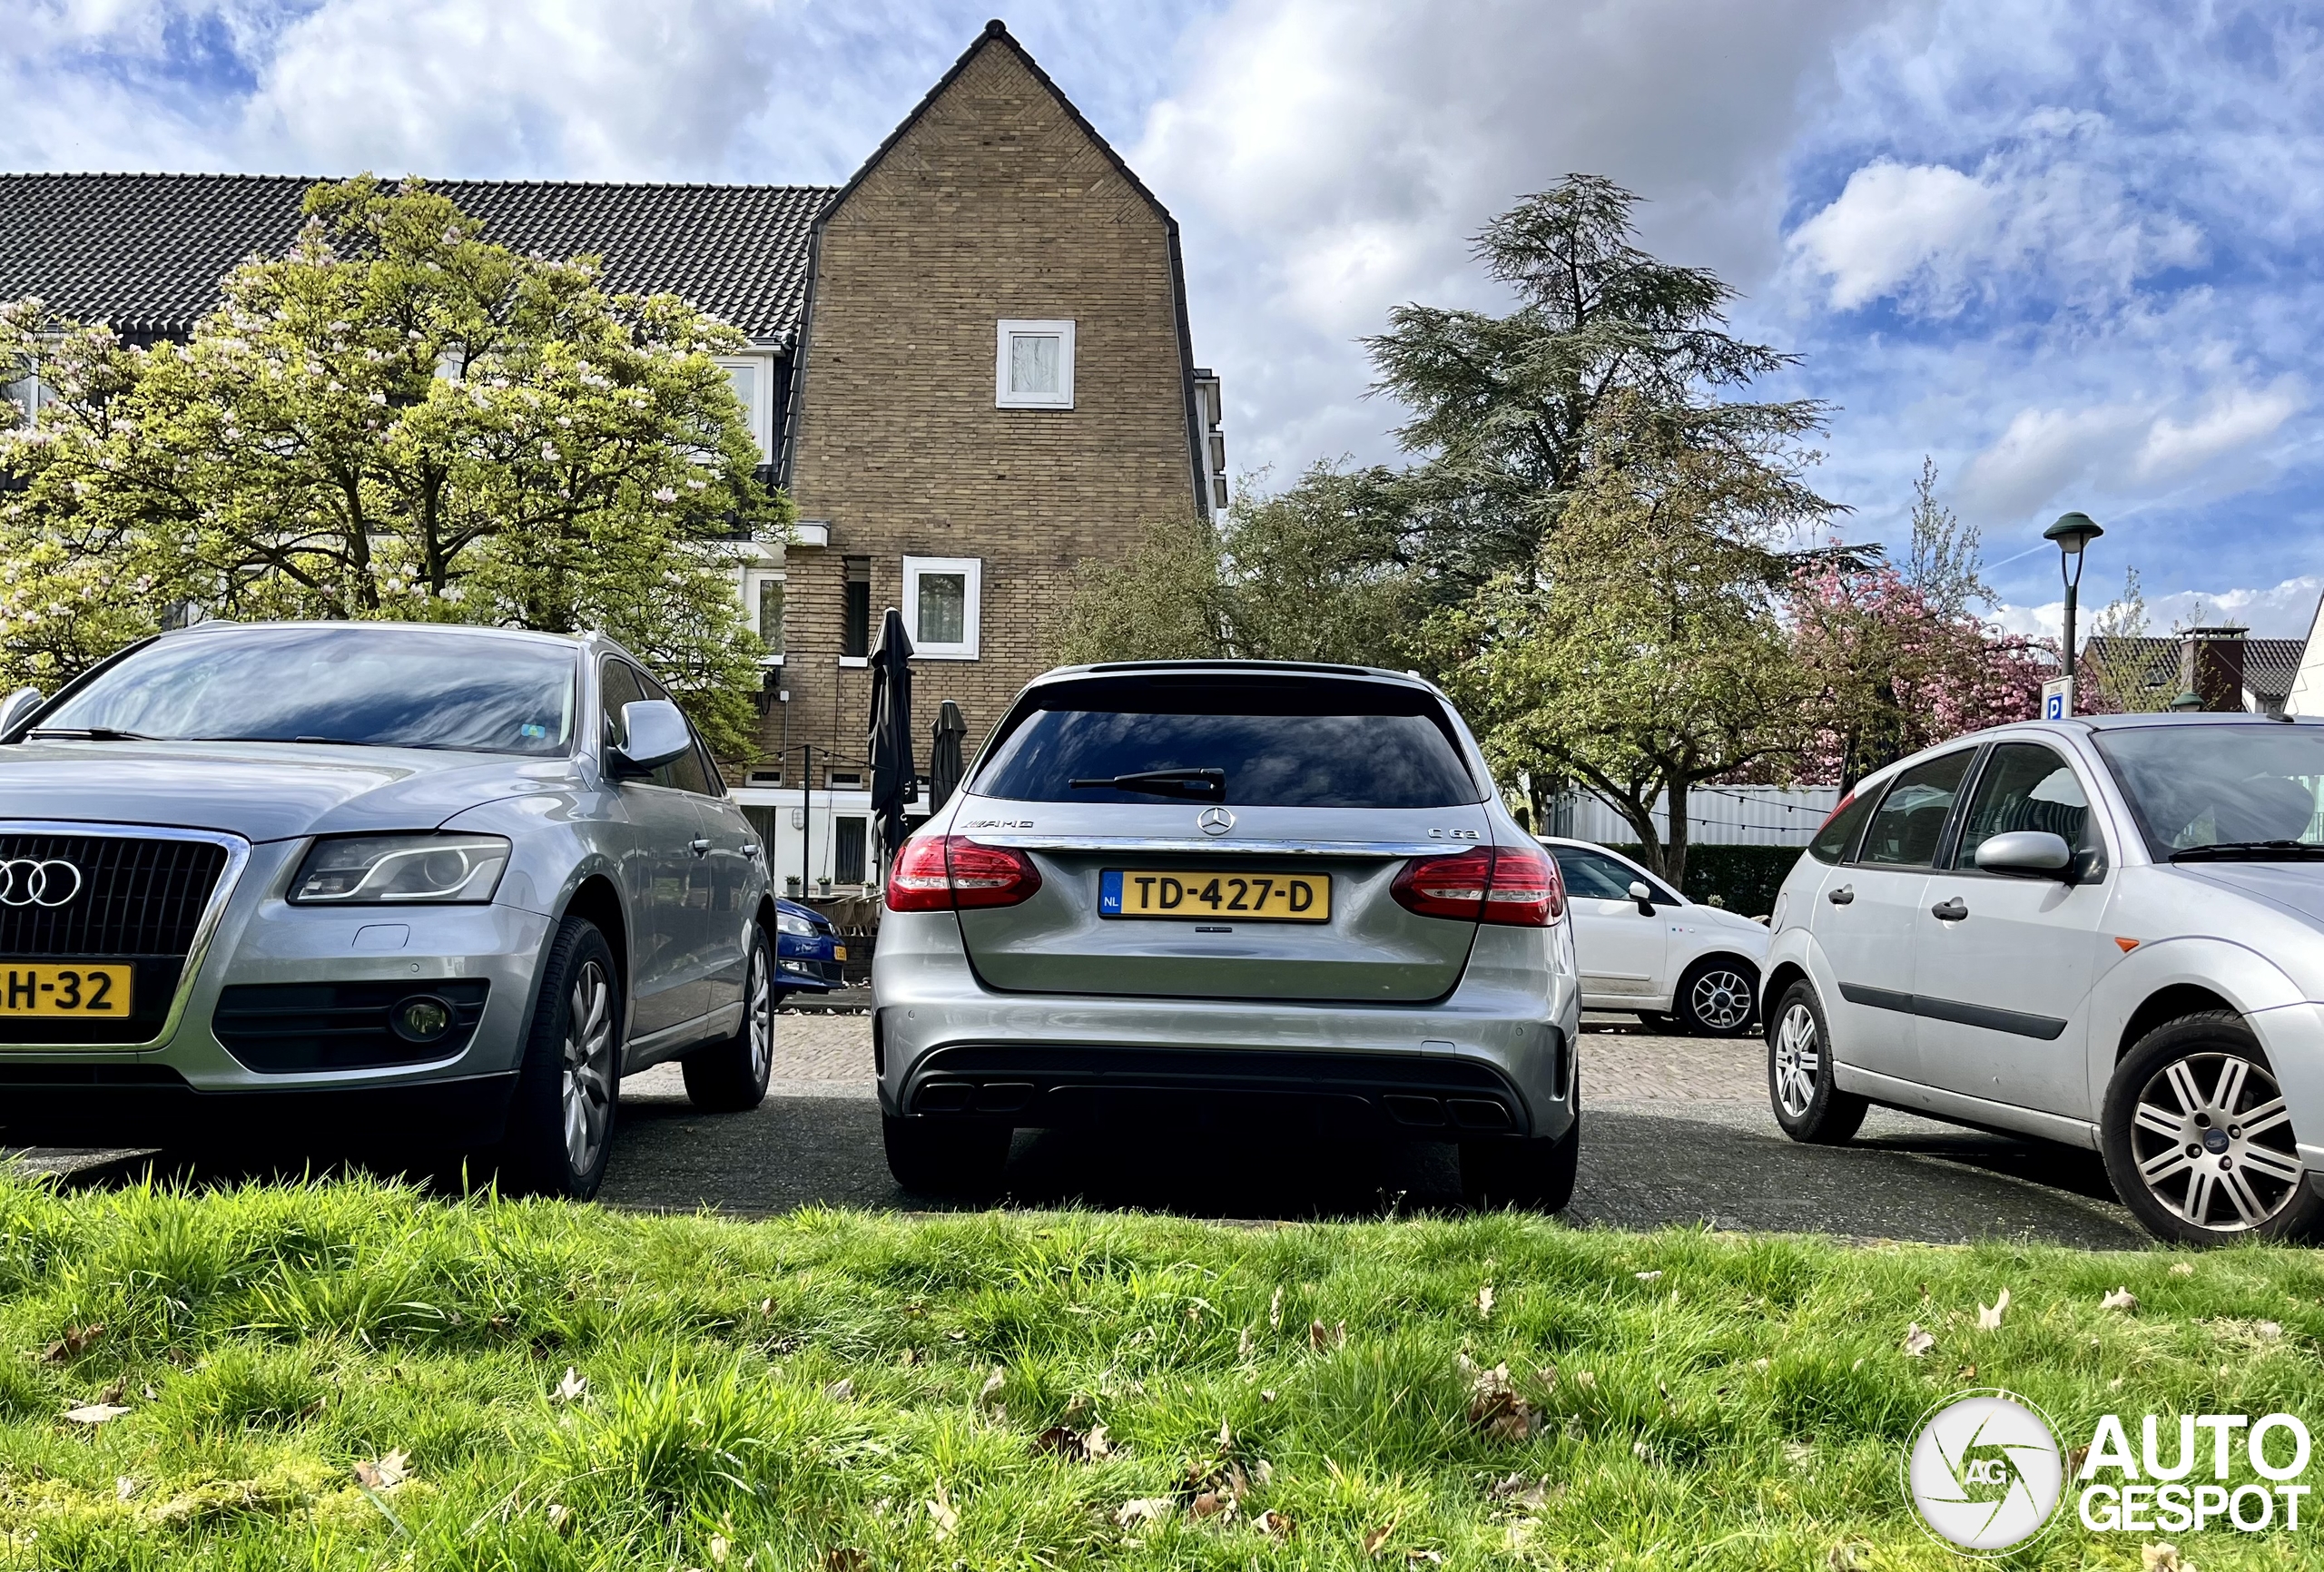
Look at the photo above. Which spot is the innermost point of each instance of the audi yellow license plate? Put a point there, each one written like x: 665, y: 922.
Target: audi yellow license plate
x: 1207, y: 895
x: 65, y: 988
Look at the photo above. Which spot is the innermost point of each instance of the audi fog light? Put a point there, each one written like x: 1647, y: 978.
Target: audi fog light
x: 421, y: 1019
x: 362, y: 870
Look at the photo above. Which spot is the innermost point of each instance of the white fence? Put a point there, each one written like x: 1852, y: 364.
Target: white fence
x: 1716, y: 816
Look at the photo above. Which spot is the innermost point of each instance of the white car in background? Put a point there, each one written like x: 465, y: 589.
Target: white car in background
x: 1644, y: 947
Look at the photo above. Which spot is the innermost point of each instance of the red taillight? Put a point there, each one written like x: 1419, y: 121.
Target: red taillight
x: 1513, y: 887
x: 1452, y: 887
x: 1526, y: 890
x: 944, y: 872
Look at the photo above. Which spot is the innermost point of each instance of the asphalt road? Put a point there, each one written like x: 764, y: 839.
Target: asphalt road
x: 1674, y: 1131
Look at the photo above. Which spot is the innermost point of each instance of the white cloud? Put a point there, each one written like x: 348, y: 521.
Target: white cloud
x: 2281, y: 612
x: 616, y: 88
x: 2044, y: 211
x: 1893, y: 222
x: 1330, y: 159
x: 2237, y: 418
x: 2132, y: 452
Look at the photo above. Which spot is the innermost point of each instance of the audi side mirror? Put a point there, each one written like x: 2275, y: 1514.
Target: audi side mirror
x: 1643, y: 893
x: 16, y: 706
x: 653, y: 732
x: 2027, y: 854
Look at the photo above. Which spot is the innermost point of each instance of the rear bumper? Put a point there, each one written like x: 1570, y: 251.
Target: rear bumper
x: 1495, y: 1056
x: 150, y: 1105
x: 1377, y: 1096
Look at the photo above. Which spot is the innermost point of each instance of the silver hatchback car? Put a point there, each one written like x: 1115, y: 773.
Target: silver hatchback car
x: 1228, y: 893
x: 427, y: 888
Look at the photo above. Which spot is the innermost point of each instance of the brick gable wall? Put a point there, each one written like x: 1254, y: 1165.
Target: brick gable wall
x: 994, y: 204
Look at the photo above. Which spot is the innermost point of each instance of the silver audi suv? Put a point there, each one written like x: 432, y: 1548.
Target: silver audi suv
x: 419, y: 888
x: 1228, y: 893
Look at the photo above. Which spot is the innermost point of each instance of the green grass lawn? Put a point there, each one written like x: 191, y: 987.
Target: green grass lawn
x: 349, y: 1375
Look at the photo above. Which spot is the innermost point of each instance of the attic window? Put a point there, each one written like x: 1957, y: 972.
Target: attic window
x: 1035, y: 366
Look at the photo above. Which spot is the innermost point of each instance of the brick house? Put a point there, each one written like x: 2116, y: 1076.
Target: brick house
x: 970, y: 366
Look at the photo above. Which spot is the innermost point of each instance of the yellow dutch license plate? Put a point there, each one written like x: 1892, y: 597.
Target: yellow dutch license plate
x: 1209, y: 896
x: 64, y: 988
x: 839, y: 952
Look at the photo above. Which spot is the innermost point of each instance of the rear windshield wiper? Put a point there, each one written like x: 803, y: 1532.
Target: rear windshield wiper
x: 93, y: 734
x: 1210, y: 783
x: 2250, y: 850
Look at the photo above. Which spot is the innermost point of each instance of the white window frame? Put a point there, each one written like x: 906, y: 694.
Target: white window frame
x: 751, y: 578
x: 1062, y: 399
x: 762, y: 370
x: 971, y: 610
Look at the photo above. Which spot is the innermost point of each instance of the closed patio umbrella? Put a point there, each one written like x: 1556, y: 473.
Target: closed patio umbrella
x: 944, y: 766
x: 891, y: 736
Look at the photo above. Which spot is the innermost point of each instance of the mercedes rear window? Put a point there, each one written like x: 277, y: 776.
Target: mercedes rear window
x: 1261, y: 742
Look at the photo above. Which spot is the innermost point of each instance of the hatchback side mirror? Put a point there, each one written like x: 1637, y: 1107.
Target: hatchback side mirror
x: 2027, y: 854
x: 1643, y: 893
x: 16, y: 706
x: 654, y: 732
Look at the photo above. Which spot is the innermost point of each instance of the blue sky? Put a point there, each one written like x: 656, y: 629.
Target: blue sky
x: 2066, y: 250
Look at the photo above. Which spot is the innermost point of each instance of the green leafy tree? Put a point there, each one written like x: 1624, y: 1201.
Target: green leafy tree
x: 1505, y: 407
x: 1315, y: 572
x: 395, y: 418
x: 1641, y: 653
x: 2117, y: 677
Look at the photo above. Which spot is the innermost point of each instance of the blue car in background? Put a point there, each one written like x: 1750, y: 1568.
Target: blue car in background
x: 808, y: 950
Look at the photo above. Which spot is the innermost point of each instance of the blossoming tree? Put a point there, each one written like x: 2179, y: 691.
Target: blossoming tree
x: 395, y: 418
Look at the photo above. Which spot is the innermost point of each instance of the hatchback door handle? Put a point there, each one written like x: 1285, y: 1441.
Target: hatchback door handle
x: 701, y: 848
x: 1841, y: 895
x: 1954, y: 910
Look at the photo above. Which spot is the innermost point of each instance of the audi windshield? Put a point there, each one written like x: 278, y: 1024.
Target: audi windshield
x: 371, y: 686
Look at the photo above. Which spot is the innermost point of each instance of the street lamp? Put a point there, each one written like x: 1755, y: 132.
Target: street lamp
x: 2073, y: 532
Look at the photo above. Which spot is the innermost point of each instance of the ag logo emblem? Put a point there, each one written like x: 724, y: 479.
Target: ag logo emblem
x: 1986, y: 1472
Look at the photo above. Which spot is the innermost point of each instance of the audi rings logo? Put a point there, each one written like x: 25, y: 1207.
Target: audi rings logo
x: 1214, y: 821
x: 1986, y: 1472
x: 25, y: 882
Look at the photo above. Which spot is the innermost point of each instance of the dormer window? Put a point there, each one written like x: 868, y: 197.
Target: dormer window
x: 1035, y: 368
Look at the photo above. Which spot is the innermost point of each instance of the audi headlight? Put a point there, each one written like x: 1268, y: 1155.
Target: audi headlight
x: 792, y: 923
x: 362, y: 870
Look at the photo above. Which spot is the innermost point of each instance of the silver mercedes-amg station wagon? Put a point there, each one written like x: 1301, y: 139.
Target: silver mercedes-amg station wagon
x: 1228, y: 893
x: 415, y: 888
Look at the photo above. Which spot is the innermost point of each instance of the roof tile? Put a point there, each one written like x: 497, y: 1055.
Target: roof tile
x: 147, y: 251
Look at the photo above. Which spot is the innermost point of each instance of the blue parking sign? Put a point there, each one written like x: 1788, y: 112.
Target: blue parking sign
x: 2057, y: 699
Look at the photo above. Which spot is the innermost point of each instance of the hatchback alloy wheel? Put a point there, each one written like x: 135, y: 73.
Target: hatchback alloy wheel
x: 2212, y: 1140
x: 588, y: 1065
x: 1798, y: 1059
x: 1720, y: 999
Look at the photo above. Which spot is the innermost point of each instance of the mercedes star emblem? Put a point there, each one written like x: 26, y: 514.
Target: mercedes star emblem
x: 1214, y: 821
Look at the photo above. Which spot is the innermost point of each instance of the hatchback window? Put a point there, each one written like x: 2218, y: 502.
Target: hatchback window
x: 1910, y: 821
x: 2220, y: 790
x: 1594, y: 876
x: 2025, y: 786
x: 1838, y: 833
x: 371, y: 686
x: 1256, y: 743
